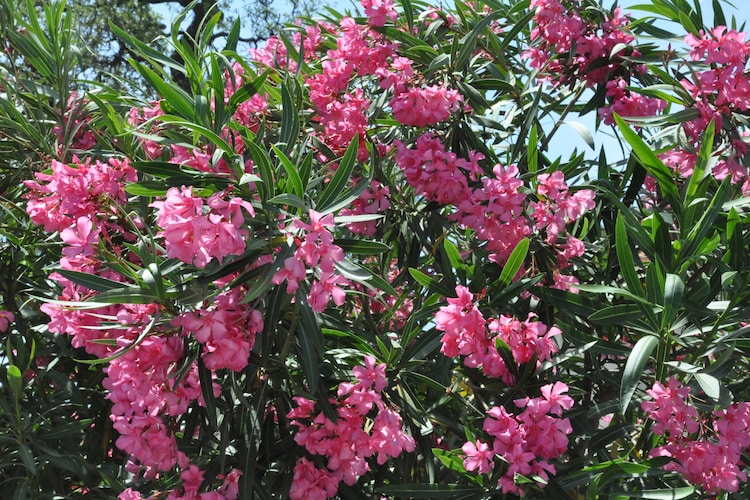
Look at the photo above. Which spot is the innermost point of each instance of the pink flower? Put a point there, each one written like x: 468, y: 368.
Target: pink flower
x: 327, y: 288
x: 479, y: 457
x: 554, y: 394
x: 129, y: 494
x: 371, y: 375
x: 80, y: 238
x: 379, y: 10
x: 6, y: 318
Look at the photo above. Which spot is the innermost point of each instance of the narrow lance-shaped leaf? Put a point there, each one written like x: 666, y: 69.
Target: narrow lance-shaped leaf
x: 651, y: 162
x: 340, y: 178
x: 310, y: 341
x: 674, y: 289
x: 515, y: 261
x: 625, y: 258
x: 634, y: 366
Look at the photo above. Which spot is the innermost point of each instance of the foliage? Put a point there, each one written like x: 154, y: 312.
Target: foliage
x: 104, y: 57
x: 352, y: 264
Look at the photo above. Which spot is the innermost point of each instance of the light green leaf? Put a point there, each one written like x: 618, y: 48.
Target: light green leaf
x: 15, y: 380
x: 633, y: 371
x: 515, y: 261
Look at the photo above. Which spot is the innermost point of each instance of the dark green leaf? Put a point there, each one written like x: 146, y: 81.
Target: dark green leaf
x: 364, y: 247
x: 340, y: 178
x: 310, y: 342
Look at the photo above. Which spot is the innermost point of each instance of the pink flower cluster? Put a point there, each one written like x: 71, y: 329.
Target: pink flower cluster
x: 379, y: 10
x: 145, y: 115
x: 571, y: 48
x: 362, y: 52
x: 373, y: 201
x: 144, y: 396
x: 718, y: 92
x: 710, y: 459
x: 197, y: 230
x: 347, y: 443
x: 626, y: 102
x: 468, y: 334
x: 84, y: 204
x: 316, y: 251
x: 226, y: 327
x: 526, y: 442
x: 497, y: 210
x: 58, y: 200
x: 439, y: 175
x: 424, y: 106
x: 192, y: 478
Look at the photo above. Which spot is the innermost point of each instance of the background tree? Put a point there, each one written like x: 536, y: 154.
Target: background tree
x: 104, y: 56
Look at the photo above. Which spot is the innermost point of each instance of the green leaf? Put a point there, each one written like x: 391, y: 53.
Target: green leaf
x: 430, y: 283
x: 290, y: 126
x: 92, y: 282
x: 620, y: 314
x: 27, y: 457
x: 141, y: 336
x: 713, y: 388
x: 668, y: 493
x: 15, y: 381
x: 650, y: 162
x: 366, y: 277
x: 515, y: 261
x: 450, y: 459
x: 309, y: 341
x: 288, y: 199
x: 209, y: 401
x: 408, y: 11
x: 692, y: 241
x: 125, y: 295
x: 200, y: 130
x: 631, y: 375
x: 428, y: 491
x: 262, y: 161
x: 157, y: 58
x: 294, y: 182
x: 340, y: 178
x: 602, y: 438
x: 174, y: 98
x: 701, y: 164
x: 149, y: 189
x: 363, y: 247
x: 583, y: 131
x: 688, y: 24
x: 674, y: 289
x: 613, y: 290
x: 246, y: 91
